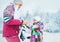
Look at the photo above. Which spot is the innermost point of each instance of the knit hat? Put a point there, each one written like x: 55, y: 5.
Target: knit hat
x: 17, y: 1
x: 37, y: 18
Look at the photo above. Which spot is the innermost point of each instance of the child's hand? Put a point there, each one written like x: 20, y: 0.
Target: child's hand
x: 35, y: 26
x: 41, y: 27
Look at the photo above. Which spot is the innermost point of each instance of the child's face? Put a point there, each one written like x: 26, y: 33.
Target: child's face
x: 35, y: 21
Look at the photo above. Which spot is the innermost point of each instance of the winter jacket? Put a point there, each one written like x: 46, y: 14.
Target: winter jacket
x: 11, y: 27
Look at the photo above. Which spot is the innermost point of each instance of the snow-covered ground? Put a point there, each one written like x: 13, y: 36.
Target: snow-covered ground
x: 51, y: 37
x: 2, y: 39
x: 48, y: 37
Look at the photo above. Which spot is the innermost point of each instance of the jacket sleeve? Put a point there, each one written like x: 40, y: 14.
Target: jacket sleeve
x: 14, y: 22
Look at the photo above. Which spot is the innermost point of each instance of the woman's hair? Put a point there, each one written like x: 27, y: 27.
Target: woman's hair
x: 5, y: 10
x: 6, y: 15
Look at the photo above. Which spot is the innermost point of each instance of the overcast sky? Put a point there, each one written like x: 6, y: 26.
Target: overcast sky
x: 34, y: 5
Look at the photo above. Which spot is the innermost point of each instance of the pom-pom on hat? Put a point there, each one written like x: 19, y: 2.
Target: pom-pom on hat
x: 37, y: 18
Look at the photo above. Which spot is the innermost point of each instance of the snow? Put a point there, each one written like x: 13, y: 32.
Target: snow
x: 51, y: 37
x: 47, y: 37
x: 2, y: 39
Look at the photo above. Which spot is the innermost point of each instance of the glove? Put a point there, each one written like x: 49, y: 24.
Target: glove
x: 22, y: 37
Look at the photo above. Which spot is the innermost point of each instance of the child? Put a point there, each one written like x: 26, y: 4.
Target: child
x: 36, y: 29
x: 11, y: 25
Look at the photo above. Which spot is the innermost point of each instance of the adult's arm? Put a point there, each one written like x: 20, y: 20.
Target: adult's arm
x: 14, y: 22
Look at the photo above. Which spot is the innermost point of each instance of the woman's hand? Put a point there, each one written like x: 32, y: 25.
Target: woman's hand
x: 26, y: 22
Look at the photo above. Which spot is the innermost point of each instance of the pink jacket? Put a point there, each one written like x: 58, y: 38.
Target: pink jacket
x: 11, y: 28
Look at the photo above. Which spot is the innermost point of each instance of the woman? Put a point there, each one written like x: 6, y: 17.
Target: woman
x: 11, y: 25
